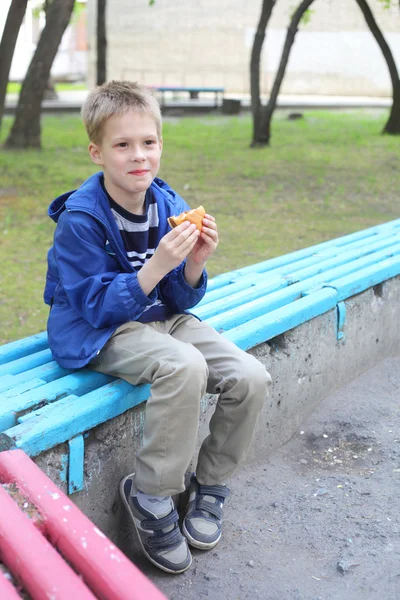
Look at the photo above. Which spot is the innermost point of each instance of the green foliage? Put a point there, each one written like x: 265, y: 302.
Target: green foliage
x: 326, y: 175
x: 306, y: 18
x: 386, y: 3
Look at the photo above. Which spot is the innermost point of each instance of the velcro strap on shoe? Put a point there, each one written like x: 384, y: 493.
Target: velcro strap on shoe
x: 167, y: 540
x: 214, y: 490
x: 158, y: 524
x: 210, y: 507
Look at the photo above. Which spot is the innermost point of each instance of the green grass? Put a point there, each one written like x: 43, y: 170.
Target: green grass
x: 14, y: 87
x: 324, y: 176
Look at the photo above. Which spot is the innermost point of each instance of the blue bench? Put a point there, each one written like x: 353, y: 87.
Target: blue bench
x: 192, y: 91
x: 43, y: 405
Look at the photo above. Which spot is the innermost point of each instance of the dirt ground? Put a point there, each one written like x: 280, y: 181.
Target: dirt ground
x: 320, y: 518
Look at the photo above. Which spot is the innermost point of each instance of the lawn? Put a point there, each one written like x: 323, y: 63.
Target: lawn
x: 325, y: 175
x: 14, y: 87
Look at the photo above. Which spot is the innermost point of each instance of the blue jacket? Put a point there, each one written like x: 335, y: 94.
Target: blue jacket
x: 90, y: 285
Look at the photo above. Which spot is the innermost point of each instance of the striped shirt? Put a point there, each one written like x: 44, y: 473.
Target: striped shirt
x: 139, y: 236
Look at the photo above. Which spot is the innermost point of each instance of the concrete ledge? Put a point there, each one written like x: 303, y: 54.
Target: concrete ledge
x: 306, y: 363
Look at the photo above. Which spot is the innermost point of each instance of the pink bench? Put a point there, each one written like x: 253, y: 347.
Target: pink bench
x: 52, y: 549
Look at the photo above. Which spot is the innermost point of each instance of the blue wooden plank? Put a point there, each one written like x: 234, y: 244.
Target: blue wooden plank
x: 225, y: 320
x: 16, y: 390
x: 278, y: 321
x: 260, y: 287
x: 29, y: 345
x: 292, y: 257
x: 48, y: 371
x: 341, y: 319
x: 25, y: 363
x: 41, y: 411
x: 6, y: 382
x: 60, y: 424
x: 366, y: 278
x: 339, y: 255
x: 81, y: 382
x: 76, y: 464
x: 285, y: 318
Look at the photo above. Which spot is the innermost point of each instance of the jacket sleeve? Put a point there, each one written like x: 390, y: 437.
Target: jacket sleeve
x: 177, y: 293
x: 93, y: 283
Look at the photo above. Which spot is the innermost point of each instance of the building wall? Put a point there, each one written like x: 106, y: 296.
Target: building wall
x: 208, y: 43
x: 70, y: 61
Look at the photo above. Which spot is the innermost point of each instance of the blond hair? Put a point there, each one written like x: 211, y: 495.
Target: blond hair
x: 116, y: 98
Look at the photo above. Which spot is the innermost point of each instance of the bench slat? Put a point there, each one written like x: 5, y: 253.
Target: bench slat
x: 57, y: 425
x: 319, y: 258
x: 293, y: 257
x: 283, y: 319
x: 20, y: 365
x: 254, y: 309
x: 260, y: 287
x: 81, y: 382
x: 19, y: 348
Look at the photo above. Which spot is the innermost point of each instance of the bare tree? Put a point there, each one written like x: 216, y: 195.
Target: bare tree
x: 26, y: 129
x: 256, y: 106
x: 262, y: 115
x: 393, y: 124
x: 101, y: 42
x: 7, y: 46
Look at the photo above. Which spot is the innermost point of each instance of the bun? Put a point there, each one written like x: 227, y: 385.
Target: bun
x: 195, y: 216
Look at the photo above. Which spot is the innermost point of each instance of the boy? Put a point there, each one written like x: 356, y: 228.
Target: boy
x: 120, y: 283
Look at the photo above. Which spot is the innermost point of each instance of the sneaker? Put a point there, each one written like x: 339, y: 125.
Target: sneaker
x: 159, y: 535
x: 202, y: 525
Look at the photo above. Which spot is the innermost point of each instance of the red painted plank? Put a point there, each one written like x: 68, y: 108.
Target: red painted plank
x: 48, y: 575
x: 107, y: 571
x: 7, y: 590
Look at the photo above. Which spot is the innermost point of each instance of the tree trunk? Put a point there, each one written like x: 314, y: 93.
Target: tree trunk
x: 266, y: 11
x: 7, y: 46
x: 393, y: 124
x: 25, y: 132
x: 268, y: 111
x: 101, y: 42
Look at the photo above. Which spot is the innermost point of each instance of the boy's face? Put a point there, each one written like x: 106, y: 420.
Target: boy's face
x: 129, y: 152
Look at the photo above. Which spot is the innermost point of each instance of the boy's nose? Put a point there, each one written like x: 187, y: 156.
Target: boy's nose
x: 137, y: 155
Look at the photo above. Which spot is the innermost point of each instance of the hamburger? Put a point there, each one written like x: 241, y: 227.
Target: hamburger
x: 195, y: 216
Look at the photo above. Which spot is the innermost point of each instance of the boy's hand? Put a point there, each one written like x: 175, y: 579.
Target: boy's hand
x: 171, y: 251
x: 175, y: 246
x: 207, y: 242
x: 202, y: 251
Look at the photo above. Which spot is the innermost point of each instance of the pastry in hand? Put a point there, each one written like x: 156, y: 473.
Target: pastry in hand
x: 195, y: 216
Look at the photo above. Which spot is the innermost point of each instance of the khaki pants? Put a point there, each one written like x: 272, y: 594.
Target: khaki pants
x: 183, y: 358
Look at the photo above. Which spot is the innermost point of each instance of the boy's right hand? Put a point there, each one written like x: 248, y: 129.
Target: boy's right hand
x: 171, y: 251
x: 175, y: 246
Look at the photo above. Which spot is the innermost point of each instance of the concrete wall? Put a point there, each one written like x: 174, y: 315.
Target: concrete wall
x: 208, y: 43
x: 306, y: 364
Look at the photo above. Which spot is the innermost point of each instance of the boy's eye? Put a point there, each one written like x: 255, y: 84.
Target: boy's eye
x: 122, y: 144
x: 149, y: 142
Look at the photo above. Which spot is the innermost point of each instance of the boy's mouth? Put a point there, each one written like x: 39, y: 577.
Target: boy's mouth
x: 139, y: 172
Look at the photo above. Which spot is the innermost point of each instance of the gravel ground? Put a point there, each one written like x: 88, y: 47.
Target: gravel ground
x: 317, y: 520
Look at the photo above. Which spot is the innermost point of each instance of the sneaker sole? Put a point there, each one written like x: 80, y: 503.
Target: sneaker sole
x: 196, y: 543
x: 154, y: 562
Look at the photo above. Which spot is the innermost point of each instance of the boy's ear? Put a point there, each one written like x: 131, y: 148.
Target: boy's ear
x: 95, y: 153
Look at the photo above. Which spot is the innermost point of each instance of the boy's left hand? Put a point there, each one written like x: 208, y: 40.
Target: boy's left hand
x: 207, y: 242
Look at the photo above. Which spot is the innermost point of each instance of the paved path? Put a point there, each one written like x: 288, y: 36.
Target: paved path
x: 320, y: 518
x: 72, y: 101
